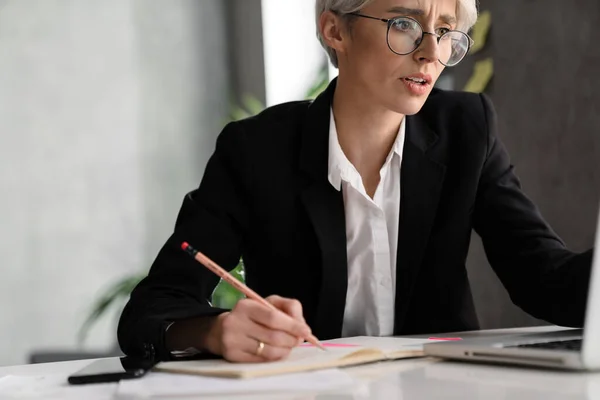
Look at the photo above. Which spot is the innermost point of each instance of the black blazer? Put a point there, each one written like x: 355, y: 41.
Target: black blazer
x: 265, y: 196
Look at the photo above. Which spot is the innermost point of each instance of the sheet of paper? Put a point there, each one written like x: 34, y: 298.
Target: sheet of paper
x: 52, y: 387
x: 385, y: 344
x: 158, y: 384
x: 298, y: 356
x: 331, y: 345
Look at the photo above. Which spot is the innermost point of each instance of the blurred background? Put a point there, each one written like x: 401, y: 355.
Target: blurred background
x: 109, y: 110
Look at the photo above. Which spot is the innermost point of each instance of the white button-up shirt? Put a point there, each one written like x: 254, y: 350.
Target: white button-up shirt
x: 371, y: 238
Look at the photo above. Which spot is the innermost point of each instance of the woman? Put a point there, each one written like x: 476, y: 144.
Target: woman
x: 354, y: 212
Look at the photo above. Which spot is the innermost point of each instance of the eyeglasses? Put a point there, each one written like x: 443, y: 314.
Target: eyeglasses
x: 405, y: 35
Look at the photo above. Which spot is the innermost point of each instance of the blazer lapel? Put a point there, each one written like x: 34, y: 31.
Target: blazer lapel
x: 325, y: 209
x: 422, y: 178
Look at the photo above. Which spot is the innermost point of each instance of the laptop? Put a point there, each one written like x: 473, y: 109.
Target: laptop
x: 573, y: 349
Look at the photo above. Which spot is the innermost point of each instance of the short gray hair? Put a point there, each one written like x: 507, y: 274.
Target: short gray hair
x: 466, y: 14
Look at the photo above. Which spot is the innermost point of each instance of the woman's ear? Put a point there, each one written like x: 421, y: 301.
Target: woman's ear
x: 332, y: 31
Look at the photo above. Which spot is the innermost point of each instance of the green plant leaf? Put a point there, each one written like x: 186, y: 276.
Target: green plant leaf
x: 319, y: 86
x: 238, y: 113
x: 119, y: 291
x: 252, y: 105
x: 225, y: 295
x: 483, y: 73
x: 480, y: 31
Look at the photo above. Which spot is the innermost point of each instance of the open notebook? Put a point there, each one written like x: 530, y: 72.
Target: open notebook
x: 340, y: 353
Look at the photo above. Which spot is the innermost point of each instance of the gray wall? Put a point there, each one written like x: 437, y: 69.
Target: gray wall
x: 184, y: 101
x: 244, y: 22
x: 108, y: 112
x: 547, y: 95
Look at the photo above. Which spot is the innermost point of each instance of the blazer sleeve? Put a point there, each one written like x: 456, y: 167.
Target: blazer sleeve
x: 542, y: 277
x: 213, y: 219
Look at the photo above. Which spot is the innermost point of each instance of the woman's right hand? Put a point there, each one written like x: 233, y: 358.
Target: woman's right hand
x: 237, y: 335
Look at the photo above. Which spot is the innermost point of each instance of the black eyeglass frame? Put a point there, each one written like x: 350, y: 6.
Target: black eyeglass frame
x: 391, y: 21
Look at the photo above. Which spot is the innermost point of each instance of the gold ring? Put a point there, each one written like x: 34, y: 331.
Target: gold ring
x: 260, y: 348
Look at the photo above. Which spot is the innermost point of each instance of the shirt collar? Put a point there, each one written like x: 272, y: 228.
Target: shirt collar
x: 340, y: 168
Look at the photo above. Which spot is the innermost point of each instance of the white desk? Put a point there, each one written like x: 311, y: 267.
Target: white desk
x: 424, y: 378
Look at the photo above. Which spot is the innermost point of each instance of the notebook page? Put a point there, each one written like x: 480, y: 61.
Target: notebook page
x: 301, y: 358
x: 387, y: 345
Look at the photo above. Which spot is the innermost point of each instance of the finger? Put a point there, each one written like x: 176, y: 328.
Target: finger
x: 291, y: 307
x: 248, y: 349
x: 239, y: 356
x: 273, y: 337
x: 279, y: 321
x: 269, y: 352
x: 273, y: 319
x: 237, y: 347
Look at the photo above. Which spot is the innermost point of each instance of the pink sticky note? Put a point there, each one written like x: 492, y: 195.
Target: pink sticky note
x: 338, y: 345
x: 445, y: 338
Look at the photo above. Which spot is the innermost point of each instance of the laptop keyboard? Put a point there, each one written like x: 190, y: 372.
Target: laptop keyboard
x: 572, y: 345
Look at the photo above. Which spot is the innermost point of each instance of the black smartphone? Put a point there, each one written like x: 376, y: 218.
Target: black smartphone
x: 111, y: 370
